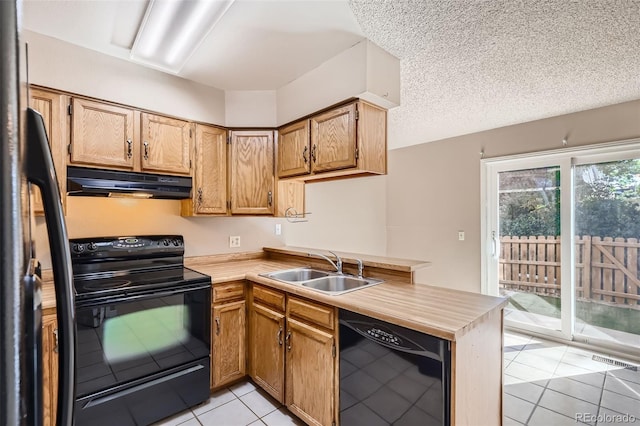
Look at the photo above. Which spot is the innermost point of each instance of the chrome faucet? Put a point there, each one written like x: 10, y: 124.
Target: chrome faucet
x: 360, y: 268
x: 337, y: 264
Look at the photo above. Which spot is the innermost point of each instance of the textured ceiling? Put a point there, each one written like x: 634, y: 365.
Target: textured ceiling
x: 473, y: 65
x: 466, y: 65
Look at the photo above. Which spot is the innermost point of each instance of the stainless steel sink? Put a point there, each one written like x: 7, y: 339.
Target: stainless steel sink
x: 339, y: 284
x: 326, y: 282
x: 296, y: 275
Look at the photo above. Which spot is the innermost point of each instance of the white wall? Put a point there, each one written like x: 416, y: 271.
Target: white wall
x: 93, y: 216
x: 346, y: 215
x: 60, y: 65
x: 433, y: 189
x: 364, y: 70
x: 250, y: 108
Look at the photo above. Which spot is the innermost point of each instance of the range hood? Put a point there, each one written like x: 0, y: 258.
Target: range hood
x: 84, y: 181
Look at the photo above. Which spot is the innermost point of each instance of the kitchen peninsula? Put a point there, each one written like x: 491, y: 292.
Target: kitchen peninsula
x: 470, y: 322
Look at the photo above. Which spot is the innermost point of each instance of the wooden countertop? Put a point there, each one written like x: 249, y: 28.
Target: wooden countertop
x: 441, y: 312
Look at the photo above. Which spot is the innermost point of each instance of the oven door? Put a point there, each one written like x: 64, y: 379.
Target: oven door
x: 133, y: 349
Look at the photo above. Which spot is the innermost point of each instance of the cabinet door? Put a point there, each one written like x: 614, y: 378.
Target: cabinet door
x: 267, y: 350
x: 333, y: 139
x: 102, y: 135
x: 310, y: 374
x: 49, y: 369
x: 210, y: 180
x: 293, y: 150
x: 252, y: 172
x: 229, y: 331
x: 166, y: 145
x: 52, y: 107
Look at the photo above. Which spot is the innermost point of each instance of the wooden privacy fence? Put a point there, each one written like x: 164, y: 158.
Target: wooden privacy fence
x: 606, y: 268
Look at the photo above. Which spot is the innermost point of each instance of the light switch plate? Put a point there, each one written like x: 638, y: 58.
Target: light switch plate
x: 460, y: 235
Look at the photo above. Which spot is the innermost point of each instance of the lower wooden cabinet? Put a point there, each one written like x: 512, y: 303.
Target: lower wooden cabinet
x: 310, y: 374
x: 50, y: 369
x: 267, y: 350
x: 293, y: 355
x: 228, y: 334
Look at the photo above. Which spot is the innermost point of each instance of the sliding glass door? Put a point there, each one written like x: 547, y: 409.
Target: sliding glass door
x: 607, y: 229
x: 562, y: 234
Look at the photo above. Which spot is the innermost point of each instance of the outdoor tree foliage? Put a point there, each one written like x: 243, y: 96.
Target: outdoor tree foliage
x: 607, y: 198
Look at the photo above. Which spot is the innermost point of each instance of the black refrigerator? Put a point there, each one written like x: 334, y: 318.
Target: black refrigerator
x: 25, y: 160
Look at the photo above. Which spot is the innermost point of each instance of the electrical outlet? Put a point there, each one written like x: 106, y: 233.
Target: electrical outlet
x: 234, y: 241
x: 278, y: 229
x: 460, y: 235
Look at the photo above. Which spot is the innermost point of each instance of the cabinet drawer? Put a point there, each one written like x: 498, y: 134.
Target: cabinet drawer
x: 228, y: 291
x: 318, y: 314
x: 273, y: 298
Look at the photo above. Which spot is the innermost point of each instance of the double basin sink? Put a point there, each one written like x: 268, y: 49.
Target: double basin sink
x: 323, y: 281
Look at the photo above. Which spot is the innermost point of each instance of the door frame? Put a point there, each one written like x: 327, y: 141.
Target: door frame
x: 565, y: 158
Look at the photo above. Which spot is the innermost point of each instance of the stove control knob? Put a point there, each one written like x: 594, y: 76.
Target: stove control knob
x: 92, y: 246
x: 165, y: 242
x: 176, y: 243
x: 78, y: 248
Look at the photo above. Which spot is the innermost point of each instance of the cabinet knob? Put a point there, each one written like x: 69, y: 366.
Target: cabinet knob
x: 304, y: 154
x: 217, y: 326
x: 314, y: 148
x: 129, y: 148
x: 199, y: 196
x: 270, y: 198
x: 279, y: 337
x: 146, y: 150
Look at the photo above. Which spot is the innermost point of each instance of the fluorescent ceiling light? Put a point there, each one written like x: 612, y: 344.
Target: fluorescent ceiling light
x: 172, y: 30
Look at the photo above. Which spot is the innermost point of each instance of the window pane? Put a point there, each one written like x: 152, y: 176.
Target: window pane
x: 529, y: 269
x: 607, y: 224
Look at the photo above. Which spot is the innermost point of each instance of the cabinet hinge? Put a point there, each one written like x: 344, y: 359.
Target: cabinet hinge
x: 191, y: 164
x: 69, y: 148
x: 190, y: 132
x: 229, y: 140
x: 333, y: 350
x: 357, y: 115
x: 229, y: 205
x: 357, y: 153
x: 70, y: 109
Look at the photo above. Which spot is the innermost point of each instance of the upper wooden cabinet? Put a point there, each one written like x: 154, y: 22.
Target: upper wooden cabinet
x: 349, y: 140
x: 293, y: 150
x: 166, y: 145
x: 333, y: 139
x: 116, y: 137
x: 102, y: 135
x: 209, y: 195
x: 251, y: 172
x: 52, y: 106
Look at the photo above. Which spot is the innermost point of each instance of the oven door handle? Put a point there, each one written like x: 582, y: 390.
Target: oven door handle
x: 141, y: 296
x: 41, y: 172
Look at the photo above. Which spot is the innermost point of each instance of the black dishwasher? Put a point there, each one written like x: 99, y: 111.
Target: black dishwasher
x: 391, y: 375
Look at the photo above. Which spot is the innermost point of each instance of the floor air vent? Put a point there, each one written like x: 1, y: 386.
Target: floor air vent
x: 615, y: 362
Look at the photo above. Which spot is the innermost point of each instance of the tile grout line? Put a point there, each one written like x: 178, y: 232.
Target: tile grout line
x: 256, y: 414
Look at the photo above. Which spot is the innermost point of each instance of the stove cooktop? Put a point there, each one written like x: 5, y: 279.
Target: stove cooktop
x: 122, y: 283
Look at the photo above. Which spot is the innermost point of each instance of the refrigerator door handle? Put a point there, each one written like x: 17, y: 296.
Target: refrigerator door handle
x: 40, y: 171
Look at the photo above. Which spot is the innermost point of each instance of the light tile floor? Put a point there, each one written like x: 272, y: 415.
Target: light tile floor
x: 546, y: 384
x: 239, y: 405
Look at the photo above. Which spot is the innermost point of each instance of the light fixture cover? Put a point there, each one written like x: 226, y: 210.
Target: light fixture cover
x: 172, y: 30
